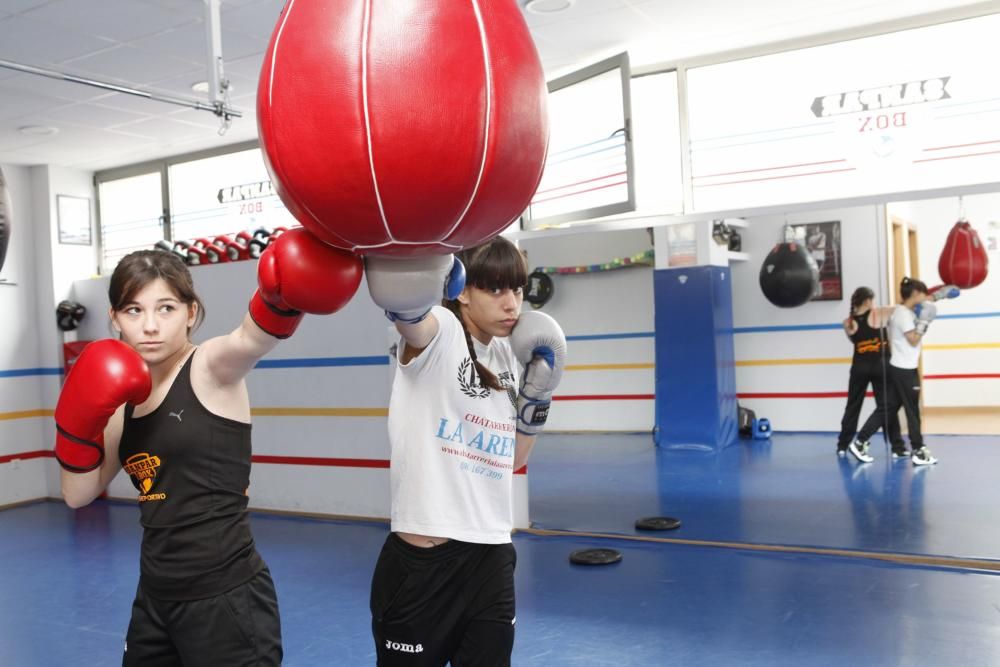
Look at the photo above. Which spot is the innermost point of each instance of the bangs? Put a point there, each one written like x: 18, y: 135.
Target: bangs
x: 495, y: 265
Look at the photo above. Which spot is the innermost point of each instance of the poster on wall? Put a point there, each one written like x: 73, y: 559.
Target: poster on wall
x: 74, y: 220
x: 822, y: 240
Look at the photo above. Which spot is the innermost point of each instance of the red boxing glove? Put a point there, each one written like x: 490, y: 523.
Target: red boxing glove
x: 107, y: 374
x: 299, y: 274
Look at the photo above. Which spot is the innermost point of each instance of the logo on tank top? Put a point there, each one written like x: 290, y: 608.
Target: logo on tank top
x: 176, y: 414
x: 142, y: 469
x: 869, y: 346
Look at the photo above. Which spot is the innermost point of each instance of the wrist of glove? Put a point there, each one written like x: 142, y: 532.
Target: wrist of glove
x: 532, y: 412
x: 408, y: 316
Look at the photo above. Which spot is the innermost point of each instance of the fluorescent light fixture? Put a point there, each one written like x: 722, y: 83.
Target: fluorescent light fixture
x: 548, y: 6
x: 38, y: 130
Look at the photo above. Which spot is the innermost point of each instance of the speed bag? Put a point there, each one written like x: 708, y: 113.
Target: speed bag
x: 789, y: 275
x: 963, y: 262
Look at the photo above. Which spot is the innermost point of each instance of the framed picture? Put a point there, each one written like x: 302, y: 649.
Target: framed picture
x: 74, y: 220
x: 822, y: 239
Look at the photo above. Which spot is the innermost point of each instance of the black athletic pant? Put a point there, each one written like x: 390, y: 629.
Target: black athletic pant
x: 862, y: 375
x: 236, y: 629
x: 450, y: 603
x: 904, y: 391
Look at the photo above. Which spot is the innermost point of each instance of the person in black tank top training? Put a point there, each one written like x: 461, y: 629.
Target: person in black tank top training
x: 175, y: 417
x: 865, y: 328
x: 470, y: 395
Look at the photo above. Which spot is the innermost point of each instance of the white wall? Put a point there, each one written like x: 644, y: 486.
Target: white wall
x: 20, y: 350
x: 612, y: 302
x: 795, y: 410
x: 955, y: 344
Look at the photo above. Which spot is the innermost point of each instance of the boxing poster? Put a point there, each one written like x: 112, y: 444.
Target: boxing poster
x: 822, y: 241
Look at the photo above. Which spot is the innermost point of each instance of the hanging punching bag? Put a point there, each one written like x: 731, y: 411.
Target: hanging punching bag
x: 963, y: 262
x: 789, y: 276
x: 4, y: 219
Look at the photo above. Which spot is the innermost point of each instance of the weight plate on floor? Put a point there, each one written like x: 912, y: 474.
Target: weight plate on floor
x: 595, y: 556
x: 658, y: 523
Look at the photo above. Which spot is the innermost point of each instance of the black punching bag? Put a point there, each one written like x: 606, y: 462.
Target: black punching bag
x: 4, y: 219
x: 789, y: 276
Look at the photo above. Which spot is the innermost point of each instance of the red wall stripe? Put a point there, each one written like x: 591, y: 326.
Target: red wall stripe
x: 605, y: 397
x: 962, y: 376
x: 38, y: 454
x: 260, y: 458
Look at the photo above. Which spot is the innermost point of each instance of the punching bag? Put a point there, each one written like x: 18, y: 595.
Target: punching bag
x: 963, y: 262
x: 4, y: 219
x: 394, y: 127
x: 789, y: 276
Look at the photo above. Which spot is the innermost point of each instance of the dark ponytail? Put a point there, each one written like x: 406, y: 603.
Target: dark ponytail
x: 496, y: 264
x: 910, y: 285
x: 861, y: 295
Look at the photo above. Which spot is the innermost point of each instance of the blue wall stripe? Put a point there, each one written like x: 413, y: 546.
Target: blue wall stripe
x: 614, y: 336
x: 964, y: 316
x: 790, y: 327
x: 323, y: 362
x: 29, y: 372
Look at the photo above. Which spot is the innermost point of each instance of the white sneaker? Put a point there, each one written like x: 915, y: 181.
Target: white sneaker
x: 860, y: 451
x: 922, y: 457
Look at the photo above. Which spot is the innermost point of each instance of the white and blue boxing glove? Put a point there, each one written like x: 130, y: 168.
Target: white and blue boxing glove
x: 539, y: 343
x: 942, y: 292
x: 407, y: 288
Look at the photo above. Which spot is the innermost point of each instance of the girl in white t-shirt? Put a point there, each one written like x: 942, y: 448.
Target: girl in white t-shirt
x: 470, y: 394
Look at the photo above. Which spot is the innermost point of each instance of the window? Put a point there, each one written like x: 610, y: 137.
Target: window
x: 224, y: 194
x: 131, y: 216
x: 209, y: 197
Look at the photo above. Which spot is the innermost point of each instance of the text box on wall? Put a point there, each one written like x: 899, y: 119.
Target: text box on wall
x: 910, y: 110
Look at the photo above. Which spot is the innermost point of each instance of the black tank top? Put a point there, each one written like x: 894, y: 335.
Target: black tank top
x: 192, y: 470
x: 869, y: 342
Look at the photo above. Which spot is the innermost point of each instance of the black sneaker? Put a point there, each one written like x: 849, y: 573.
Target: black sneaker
x: 900, y: 454
x: 922, y: 457
x: 841, y: 451
x: 860, y: 451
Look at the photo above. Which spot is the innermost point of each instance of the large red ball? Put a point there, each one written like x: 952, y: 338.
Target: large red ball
x: 403, y: 127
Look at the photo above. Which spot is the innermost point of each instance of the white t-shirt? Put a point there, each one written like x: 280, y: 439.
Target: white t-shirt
x: 904, y: 355
x: 453, y: 440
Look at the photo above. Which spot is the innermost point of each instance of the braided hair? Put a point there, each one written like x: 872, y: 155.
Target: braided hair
x: 496, y: 264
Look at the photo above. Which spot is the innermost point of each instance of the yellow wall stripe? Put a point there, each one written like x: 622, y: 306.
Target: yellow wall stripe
x: 608, y: 367
x: 794, y: 362
x: 964, y: 346
x: 26, y: 414
x: 319, y: 412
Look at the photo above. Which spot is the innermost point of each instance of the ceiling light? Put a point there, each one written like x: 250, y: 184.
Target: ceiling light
x: 38, y: 130
x: 200, y: 86
x: 548, y: 6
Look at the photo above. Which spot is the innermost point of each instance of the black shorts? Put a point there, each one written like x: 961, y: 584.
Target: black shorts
x: 239, y: 627
x: 453, y: 602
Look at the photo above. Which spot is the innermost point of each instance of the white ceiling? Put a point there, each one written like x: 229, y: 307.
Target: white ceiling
x: 160, y: 45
